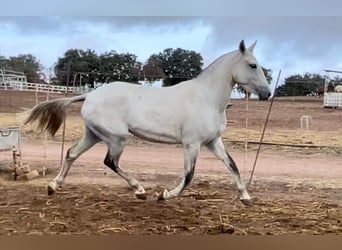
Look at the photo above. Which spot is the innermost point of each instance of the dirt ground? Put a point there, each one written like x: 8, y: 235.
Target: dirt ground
x: 296, y: 189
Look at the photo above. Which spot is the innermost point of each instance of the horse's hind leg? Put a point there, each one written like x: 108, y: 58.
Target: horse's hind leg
x: 218, y: 149
x: 190, y: 156
x: 112, y: 161
x: 87, y: 141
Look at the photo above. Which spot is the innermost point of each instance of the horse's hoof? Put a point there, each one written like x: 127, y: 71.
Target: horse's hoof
x: 141, y: 196
x: 50, y: 190
x: 247, y: 202
x: 161, y: 197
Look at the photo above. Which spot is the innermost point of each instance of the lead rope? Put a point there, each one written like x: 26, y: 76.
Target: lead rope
x: 263, y: 131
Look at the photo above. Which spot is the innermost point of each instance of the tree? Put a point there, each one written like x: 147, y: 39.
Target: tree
x: 119, y: 67
x: 337, y: 80
x: 300, y: 85
x: 3, y: 62
x: 268, y: 74
x: 81, y: 65
x: 174, y: 65
x: 152, y: 69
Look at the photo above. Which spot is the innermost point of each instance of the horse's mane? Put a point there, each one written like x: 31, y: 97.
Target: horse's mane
x: 212, y: 64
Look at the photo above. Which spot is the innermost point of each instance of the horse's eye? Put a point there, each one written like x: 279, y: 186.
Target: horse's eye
x: 253, y: 66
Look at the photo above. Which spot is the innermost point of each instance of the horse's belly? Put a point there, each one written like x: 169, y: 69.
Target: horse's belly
x: 155, y: 136
x: 155, y: 123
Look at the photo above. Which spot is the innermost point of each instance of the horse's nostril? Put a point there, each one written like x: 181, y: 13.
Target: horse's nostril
x: 265, y: 97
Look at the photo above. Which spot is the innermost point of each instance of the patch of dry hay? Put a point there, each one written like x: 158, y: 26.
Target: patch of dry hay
x: 205, y: 208
x: 75, y: 130
x: 321, y: 138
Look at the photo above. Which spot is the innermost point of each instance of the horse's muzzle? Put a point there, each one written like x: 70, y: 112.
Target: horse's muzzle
x: 264, y: 97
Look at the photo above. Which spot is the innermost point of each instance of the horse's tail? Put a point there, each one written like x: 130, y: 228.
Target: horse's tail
x: 51, y: 114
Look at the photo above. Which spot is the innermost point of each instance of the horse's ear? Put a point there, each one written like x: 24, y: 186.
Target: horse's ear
x: 251, y: 48
x: 242, y: 46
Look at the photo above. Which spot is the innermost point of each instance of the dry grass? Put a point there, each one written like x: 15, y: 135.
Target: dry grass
x: 75, y: 128
x: 298, y: 137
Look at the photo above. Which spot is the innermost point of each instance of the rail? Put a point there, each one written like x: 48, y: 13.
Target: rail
x: 39, y: 87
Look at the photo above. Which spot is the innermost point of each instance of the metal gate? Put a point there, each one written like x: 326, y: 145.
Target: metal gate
x: 10, y: 141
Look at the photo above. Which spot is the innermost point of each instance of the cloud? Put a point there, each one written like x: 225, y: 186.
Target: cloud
x: 170, y: 8
x: 29, y: 25
x: 140, y: 35
x: 309, y: 36
x: 294, y: 44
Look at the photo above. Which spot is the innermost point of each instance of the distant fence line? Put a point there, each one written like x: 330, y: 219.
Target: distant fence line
x: 45, y: 88
x: 330, y: 99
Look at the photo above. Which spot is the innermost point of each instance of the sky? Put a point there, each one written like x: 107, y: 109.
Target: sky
x: 292, y: 44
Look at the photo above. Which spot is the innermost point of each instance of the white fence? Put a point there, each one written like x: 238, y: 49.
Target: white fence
x: 37, y: 87
x: 332, y: 99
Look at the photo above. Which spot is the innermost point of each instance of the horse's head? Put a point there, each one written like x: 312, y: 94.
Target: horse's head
x: 249, y: 74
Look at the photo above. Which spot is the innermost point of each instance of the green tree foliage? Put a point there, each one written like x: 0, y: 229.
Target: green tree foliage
x: 300, y: 85
x: 76, y: 61
x: 3, y: 62
x: 268, y: 74
x: 119, y: 67
x: 337, y: 80
x: 26, y: 63
x: 152, y: 70
x: 174, y: 65
x: 86, y: 67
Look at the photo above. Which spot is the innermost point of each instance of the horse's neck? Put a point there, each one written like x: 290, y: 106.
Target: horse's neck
x: 217, y: 81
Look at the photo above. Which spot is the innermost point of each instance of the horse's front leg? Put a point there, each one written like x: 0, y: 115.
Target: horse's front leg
x: 190, y: 156
x: 217, y: 147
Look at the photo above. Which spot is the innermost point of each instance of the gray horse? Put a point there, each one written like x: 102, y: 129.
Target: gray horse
x: 192, y: 113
